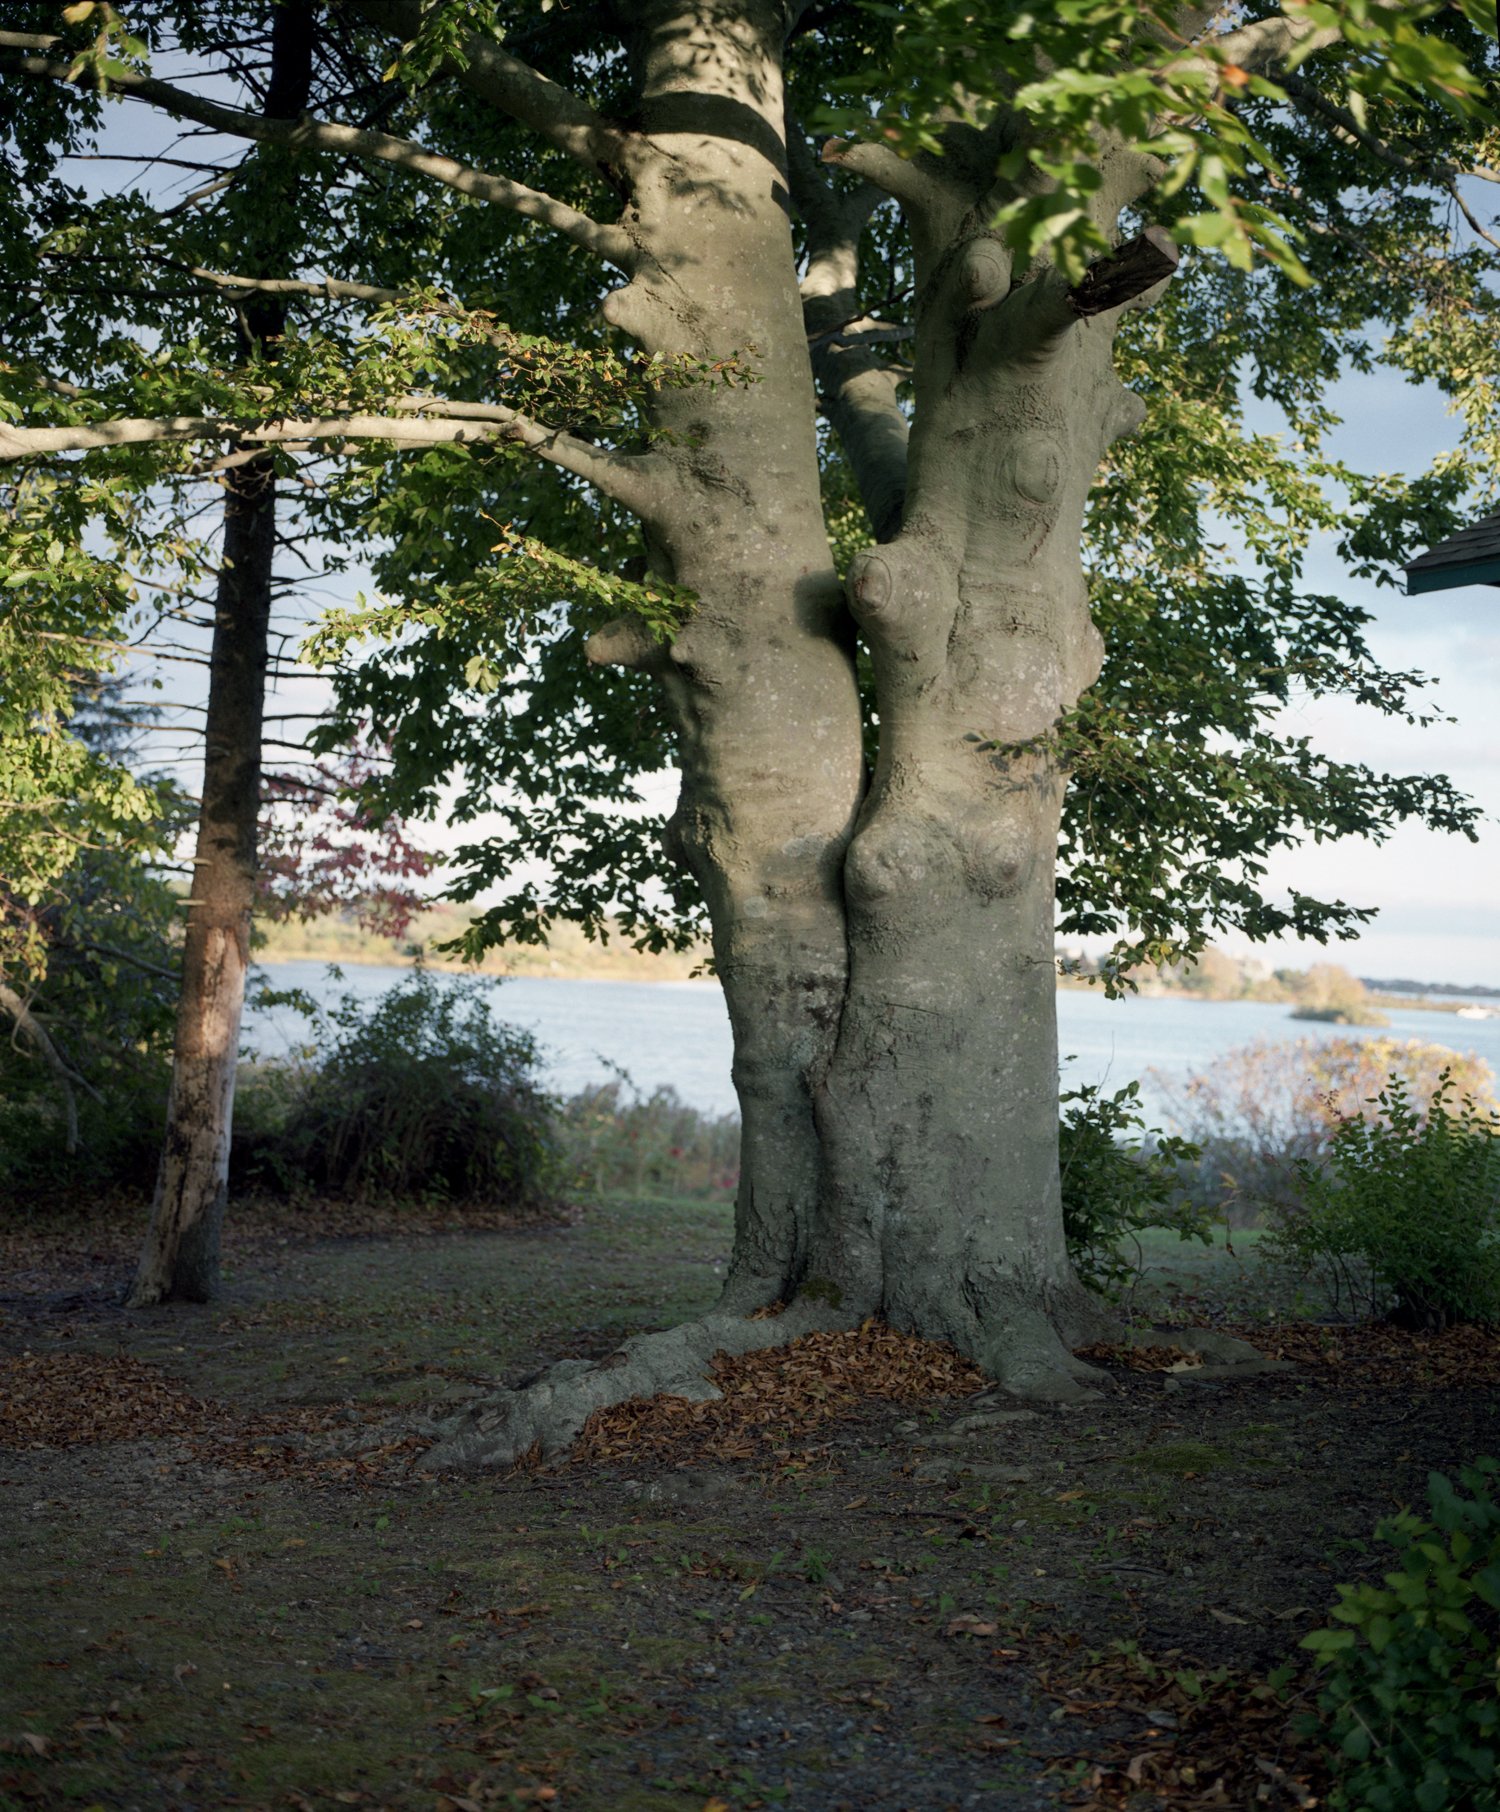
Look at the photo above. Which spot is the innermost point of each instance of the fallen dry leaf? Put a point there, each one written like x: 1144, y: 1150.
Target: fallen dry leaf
x: 967, y: 1624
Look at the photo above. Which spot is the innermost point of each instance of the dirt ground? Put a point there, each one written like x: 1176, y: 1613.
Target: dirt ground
x: 228, y: 1581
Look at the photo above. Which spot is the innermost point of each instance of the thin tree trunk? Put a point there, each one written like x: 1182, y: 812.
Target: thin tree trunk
x: 181, y: 1256
x: 180, y: 1259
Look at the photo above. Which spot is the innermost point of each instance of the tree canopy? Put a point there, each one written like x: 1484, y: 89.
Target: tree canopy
x: 1324, y: 164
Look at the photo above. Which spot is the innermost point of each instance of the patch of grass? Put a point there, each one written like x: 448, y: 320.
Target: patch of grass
x: 1180, y: 1459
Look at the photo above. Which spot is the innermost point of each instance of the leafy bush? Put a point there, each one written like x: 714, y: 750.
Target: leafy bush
x: 120, y: 1112
x: 418, y: 1095
x: 1403, y: 1216
x: 86, y: 1034
x: 1267, y: 1109
x: 615, y: 1138
x: 1411, y: 1693
x: 1119, y: 1178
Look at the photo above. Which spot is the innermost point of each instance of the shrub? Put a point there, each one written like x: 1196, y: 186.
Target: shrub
x: 615, y: 1138
x: 1411, y: 1691
x: 120, y: 1115
x: 419, y: 1095
x: 1119, y: 1178
x: 1402, y: 1217
x: 1266, y: 1109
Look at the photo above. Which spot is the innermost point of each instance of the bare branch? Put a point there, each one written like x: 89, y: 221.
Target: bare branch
x: 515, y: 87
x: 629, y: 478
x: 67, y: 1079
x: 1314, y: 105
x: 607, y: 242
x: 333, y: 289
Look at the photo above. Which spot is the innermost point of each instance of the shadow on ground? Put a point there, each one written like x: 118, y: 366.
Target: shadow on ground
x: 237, y: 1587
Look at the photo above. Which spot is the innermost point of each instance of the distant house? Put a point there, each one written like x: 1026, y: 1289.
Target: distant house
x: 1471, y: 557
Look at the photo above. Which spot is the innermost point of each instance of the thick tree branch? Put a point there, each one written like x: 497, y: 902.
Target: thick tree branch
x: 857, y: 392
x: 906, y: 179
x: 1129, y: 271
x: 629, y: 478
x: 513, y: 86
x: 606, y: 242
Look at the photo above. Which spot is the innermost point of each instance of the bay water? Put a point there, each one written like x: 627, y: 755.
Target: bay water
x: 676, y: 1034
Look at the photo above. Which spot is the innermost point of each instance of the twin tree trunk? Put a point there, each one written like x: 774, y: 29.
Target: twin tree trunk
x: 886, y: 951
x: 885, y: 942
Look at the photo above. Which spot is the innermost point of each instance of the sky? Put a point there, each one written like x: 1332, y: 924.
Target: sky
x: 1437, y: 896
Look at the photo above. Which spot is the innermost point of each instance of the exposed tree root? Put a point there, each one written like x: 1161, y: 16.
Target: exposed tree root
x: 1026, y: 1350
x: 1223, y: 1349
x: 545, y: 1416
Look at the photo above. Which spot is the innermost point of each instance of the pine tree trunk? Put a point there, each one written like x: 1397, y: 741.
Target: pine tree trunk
x: 181, y: 1256
x: 180, y: 1259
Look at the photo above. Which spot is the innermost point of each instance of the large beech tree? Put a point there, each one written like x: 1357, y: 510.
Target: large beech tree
x: 874, y: 762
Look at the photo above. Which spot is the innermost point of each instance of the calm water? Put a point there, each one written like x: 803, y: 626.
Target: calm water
x: 676, y: 1033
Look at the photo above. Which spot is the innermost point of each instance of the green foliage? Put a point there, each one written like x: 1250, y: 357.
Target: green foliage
x: 1118, y: 1179
x: 1411, y: 1692
x: 1185, y: 776
x: 1404, y: 1212
x: 121, y: 1109
x: 60, y: 793
x: 418, y: 1095
x: 92, y: 977
x: 613, y: 1138
x: 1187, y: 770
x: 1075, y: 72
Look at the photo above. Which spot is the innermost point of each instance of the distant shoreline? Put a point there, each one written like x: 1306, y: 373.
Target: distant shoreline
x: 621, y: 963
x: 488, y: 971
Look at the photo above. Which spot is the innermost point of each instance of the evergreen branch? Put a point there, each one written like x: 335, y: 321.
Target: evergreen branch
x: 606, y: 242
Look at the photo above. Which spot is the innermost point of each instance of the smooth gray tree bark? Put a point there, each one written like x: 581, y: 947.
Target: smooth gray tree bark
x: 885, y: 942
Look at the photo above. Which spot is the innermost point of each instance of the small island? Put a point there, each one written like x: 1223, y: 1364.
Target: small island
x: 1337, y: 998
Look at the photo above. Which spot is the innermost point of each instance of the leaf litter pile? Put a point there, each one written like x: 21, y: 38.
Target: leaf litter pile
x: 1376, y: 1353
x: 87, y: 1399
x: 768, y: 1397
x: 1190, y: 1736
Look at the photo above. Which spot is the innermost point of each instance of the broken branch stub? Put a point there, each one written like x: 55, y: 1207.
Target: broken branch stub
x: 1135, y: 267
